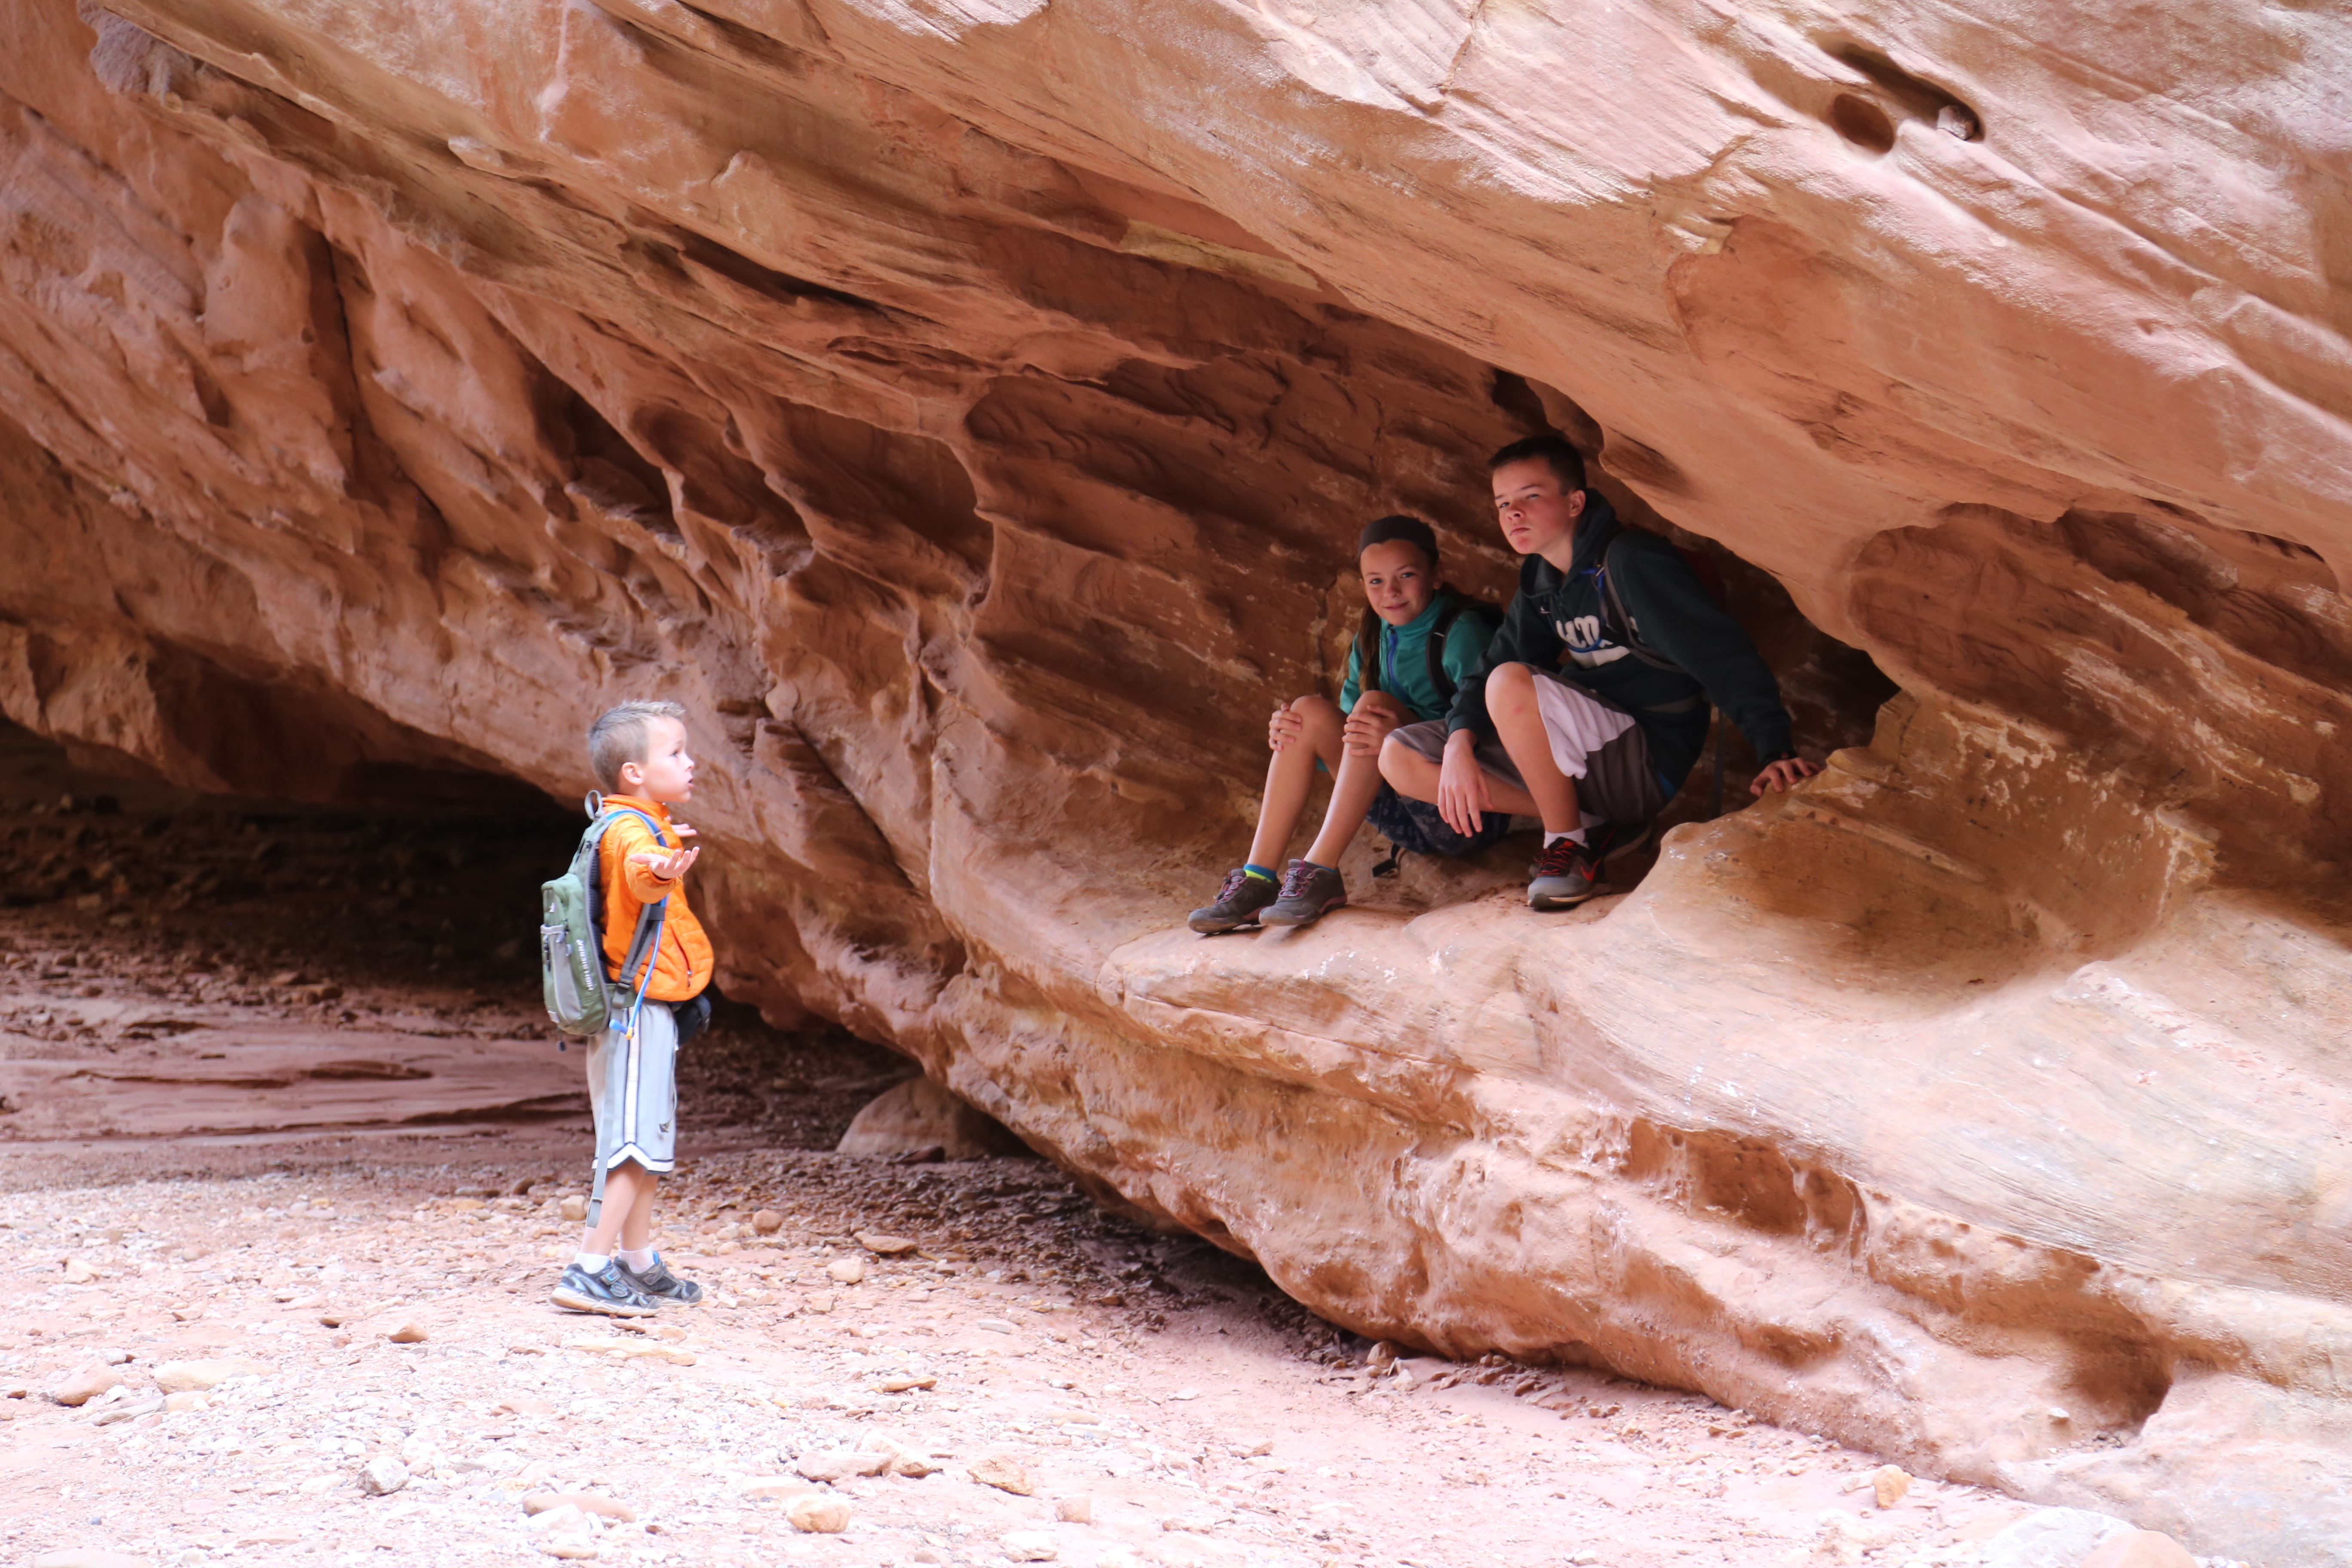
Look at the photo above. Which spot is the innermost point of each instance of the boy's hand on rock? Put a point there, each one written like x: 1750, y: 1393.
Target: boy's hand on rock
x: 667, y: 867
x: 1283, y: 727
x: 1785, y: 773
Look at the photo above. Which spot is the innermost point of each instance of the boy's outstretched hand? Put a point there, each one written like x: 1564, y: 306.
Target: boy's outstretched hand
x: 668, y: 868
x: 1785, y: 773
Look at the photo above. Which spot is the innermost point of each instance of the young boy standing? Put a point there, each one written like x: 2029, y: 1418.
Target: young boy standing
x: 1593, y: 704
x: 1424, y: 641
x: 639, y: 753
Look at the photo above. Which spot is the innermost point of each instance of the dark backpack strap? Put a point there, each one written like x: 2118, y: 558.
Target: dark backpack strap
x: 643, y: 943
x: 1433, y: 648
x: 1620, y: 625
x: 1615, y: 607
x: 646, y: 940
x: 1367, y: 654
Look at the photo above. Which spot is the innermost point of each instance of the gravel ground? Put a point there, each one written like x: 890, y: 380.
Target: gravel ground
x: 1160, y: 1392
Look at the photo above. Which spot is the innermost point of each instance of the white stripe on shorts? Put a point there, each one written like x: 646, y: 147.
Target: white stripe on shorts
x: 632, y: 1090
x: 1576, y: 725
x: 636, y: 1037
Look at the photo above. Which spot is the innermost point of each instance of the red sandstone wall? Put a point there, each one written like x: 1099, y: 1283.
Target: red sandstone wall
x: 965, y: 408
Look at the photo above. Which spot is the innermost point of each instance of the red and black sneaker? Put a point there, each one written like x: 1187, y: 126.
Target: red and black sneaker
x: 1561, y: 878
x: 1614, y: 840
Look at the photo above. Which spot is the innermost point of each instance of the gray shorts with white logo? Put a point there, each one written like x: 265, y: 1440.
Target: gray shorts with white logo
x: 632, y: 1091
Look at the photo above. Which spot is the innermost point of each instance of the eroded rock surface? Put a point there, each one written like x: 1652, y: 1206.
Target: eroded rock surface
x: 964, y: 408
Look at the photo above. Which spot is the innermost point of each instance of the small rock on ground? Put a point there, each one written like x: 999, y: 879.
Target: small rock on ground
x: 1005, y: 1475
x: 87, y: 1385
x: 383, y: 1475
x: 819, y: 1514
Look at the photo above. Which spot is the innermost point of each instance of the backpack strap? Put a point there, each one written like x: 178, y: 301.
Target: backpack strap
x: 644, y: 941
x: 1620, y: 626
x: 1433, y: 648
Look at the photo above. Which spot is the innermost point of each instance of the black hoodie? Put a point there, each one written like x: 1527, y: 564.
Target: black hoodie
x: 1558, y: 622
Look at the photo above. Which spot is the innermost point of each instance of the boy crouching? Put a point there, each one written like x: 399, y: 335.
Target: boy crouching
x: 639, y: 753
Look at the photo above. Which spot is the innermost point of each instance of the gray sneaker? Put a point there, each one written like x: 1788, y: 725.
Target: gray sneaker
x: 659, y: 1285
x: 609, y: 1291
x: 1308, y: 893
x: 1562, y: 876
x: 1237, y: 904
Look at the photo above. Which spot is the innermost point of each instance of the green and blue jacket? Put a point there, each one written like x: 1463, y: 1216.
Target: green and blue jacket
x: 1402, y: 655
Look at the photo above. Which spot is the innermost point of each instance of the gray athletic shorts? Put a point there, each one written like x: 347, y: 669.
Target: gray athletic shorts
x: 632, y: 1091
x: 1595, y: 742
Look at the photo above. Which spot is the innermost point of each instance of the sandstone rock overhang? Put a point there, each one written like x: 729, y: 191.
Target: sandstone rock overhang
x: 964, y: 404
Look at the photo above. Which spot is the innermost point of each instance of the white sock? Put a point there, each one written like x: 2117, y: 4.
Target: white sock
x: 593, y: 1262
x: 638, y: 1258
x: 1574, y: 836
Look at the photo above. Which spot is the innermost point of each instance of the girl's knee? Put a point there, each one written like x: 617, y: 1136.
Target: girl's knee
x: 1316, y: 711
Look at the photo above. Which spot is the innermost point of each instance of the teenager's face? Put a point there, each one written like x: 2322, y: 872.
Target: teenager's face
x: 1399, y: 582
x: 1535, y: 511
x: 667, y: 774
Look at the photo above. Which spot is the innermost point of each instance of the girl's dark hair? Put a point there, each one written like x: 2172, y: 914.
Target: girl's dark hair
x: 1401, y: 528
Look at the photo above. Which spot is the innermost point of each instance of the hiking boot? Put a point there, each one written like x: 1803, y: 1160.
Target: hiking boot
x: 1562, y: 876
x: 1238, y: 903
x: 659, y: 1285
x: 1612, y: 840
x: 1308, y: 893
x: 610, y: 1290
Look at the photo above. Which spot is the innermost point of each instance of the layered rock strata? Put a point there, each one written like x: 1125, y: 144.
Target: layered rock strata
x: 965, y: 408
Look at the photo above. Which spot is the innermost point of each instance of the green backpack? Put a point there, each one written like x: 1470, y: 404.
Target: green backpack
x: 582, y: 998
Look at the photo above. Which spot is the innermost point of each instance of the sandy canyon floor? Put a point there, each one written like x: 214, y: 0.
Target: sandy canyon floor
x: 284, y: 1149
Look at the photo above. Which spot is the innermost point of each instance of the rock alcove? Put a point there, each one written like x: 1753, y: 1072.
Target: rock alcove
x: 964, y: 408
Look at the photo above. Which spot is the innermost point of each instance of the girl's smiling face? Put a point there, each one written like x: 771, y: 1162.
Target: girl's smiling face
x: 1398, y: 579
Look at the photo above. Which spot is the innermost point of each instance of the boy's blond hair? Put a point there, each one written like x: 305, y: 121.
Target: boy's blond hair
x: 618, y: 736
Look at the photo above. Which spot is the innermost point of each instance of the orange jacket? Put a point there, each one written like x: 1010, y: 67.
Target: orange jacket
x: 682, y: 961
